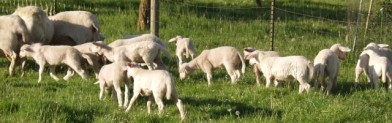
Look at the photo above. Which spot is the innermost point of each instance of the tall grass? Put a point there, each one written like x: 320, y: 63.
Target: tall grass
x: 210, y: 24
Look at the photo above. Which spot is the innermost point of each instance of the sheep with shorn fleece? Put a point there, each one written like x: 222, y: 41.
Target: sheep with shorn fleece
x: 38, y: 25
x: 378, y: 65
x: 284, y: 69
x: 111, y: 76
x: 226, y: 56
x: 327, y: 64
x: 75, y: 27
x: 155, y: 84
x: 184, y: 47
x: 252, y: 62
x: 131, y: 39
x: 13, y: 34
x: 141, y: 52
x: 90, y: 57
x: 54, y: 55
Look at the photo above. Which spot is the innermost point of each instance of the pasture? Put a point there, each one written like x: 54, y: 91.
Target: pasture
x: 213, y: 23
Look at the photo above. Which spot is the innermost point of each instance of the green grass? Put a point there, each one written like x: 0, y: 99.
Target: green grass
x: 223, y: 22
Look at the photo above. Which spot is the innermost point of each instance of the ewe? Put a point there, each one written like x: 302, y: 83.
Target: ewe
x: 13, y: 34
x: 326, y: 64
x: 226, y: 56
x: 153, y: 83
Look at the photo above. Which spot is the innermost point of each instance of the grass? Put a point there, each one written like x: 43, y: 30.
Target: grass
x: 211, y: 24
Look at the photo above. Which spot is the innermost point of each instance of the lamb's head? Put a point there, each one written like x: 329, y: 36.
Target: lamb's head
x: 340, y: 50
x: 375, y: 47
x: 98, y: 47
x: 175, y: 39
x: 248, y: 50
x: 131, y: 68
x: 27, y: 50
x: 184, y: 70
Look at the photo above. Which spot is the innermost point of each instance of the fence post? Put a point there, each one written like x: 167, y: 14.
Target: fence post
x: 357, y: 28
x: 368, y: 18
x: 154, y: 27
x: 54, y: 7
x: 272, y: 25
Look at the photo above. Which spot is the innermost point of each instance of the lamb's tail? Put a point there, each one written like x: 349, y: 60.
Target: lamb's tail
x: 187, y: 53
x: 242, y: 62
x: 167, y: 53
x: 170, y: 89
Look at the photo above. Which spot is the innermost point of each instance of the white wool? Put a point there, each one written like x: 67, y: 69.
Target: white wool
x: 153, y: 83
x: 54, y: 55
x: 226, y: 56
x: 184, y: 47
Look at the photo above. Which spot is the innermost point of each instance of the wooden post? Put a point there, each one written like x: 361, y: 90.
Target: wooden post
x: 368, y: 18
x: 54, y: 7
x: 358, y: 23
x: 154, y: 27
x: 272, y: 25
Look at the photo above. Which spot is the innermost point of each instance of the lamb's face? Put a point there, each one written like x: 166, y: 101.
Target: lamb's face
x: 96, y: 49
x: 183, y: 72
x: 24, y: 51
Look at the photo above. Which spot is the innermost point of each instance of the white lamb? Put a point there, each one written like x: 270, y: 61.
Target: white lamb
x: 54, y: 55
x: 326, y: 64
x: 141, y: 52
x: 131, y: 39
x: 153, y: 83
x: 111, y: 75
x: 91, y: 58
x: 379, y: 66
x: 13, y: 34
x: 40, y: 28
x: 249, y: 51
x: 75, y: 27
x: 285, y: 68
x: 184, y: 46
x: 226, y: 56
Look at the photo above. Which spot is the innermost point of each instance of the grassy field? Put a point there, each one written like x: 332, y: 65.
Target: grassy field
x: 211, y: 24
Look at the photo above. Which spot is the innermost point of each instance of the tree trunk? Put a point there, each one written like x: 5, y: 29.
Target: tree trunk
x: 259, y: 3
x: 144, y: 15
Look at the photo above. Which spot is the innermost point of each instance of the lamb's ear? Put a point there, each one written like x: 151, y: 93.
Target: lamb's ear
x: 174, y: 40
x: 383, y: 45
x: 252, y: 55
x: 129, y: 64
x: 28, y: 49
x: 344, y: 49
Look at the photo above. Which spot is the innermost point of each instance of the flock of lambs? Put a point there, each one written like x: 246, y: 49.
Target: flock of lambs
x: 66, y: 38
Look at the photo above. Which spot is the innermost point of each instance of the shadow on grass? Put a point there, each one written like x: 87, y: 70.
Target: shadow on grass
x: 51, y: 111
x: 47, y: 86
x: 242, y: 108
x: 8, y: 107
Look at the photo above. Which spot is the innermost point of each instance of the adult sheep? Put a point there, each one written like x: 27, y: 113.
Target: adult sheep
x: 37, y: 23
x: 75, y: 27
x: 326, y: 64
x: 13, y: 34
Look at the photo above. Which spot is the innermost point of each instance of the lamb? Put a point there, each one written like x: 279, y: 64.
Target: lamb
x: 131, y: 39
x: 362, y: 64
x: 184, y: 46
x: 13, y: 34
x: 226, y: 56
x: 248, y: 51
x: 75, y: 27
x: 91, y: 58
x: 153, y: 83
x: 326, y: 64
x: 285, y: 68
x: 54, y: 55
x: 378, y: 65
x: 141, y: 52
x: 38, y: 25
x: 111, y: 75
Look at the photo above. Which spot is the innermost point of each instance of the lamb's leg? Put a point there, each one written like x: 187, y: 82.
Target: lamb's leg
x: 70, y: 73
x: 119, y: 93
x: 159, y: 102
x: 178, y: 103
x: 149, y: 103
x: 358, y: 72
x: 136, y: 92
x: 13, y: 61
x: 330, y: 84
x: 231, y: 71
x: 179, y: 58
x: 257, y: 74
x: 303, y: 85
x: 102, y: 87
x: 209, y: 77
x: 374, y: 80
x: 52, y: 73
x: 126, y: 96
x: 76, y: 66
x: 23, y: 66
x: 40, y: 71
x: 160, y: 65
x: 268, y: 81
